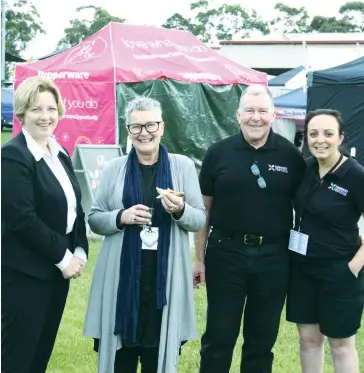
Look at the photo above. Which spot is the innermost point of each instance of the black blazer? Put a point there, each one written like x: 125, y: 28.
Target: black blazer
x: 34, y: 212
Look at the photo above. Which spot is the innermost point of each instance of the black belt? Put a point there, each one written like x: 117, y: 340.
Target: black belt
x: 250, y: 239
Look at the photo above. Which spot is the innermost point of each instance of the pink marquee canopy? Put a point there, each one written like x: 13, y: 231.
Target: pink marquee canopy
x: 87, y: 73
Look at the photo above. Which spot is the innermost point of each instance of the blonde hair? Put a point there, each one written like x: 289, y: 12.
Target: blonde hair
x: 27, y: 92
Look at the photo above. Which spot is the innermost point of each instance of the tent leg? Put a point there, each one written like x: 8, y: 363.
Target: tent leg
x: 128, y: 145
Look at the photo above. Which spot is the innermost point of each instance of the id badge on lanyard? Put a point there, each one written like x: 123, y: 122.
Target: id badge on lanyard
x: 149, y: 237
x: 298, y: 242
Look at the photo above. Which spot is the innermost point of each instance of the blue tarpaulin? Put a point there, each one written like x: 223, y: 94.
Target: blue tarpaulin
x: 296, y: 99
x: 7, y: 104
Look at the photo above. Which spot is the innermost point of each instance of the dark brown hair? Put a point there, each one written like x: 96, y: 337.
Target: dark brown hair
x: 312, y: 114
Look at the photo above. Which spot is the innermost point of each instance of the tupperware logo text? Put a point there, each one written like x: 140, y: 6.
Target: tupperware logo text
x: 157, y: 44
x: 53, y: 75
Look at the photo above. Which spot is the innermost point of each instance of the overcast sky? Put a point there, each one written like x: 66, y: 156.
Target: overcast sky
x: 56, y: 14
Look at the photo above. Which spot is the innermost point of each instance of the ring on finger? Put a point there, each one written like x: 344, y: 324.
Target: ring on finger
x: 134, y: 219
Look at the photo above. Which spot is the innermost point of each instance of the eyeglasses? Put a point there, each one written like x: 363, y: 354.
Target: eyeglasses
x: 256, y: 172
x: 150, y: 127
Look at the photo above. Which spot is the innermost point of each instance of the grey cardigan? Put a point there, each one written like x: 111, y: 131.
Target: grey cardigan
x: 178, y: 320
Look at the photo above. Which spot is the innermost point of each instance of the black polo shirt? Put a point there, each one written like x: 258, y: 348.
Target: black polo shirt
x: 239, y: 204
x: 331, y: 210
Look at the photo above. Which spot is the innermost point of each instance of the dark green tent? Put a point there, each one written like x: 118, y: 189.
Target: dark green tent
x: 11, y: 58
x: 342, y: 88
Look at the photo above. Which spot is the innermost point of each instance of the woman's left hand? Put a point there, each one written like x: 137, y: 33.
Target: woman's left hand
x: 172, y: 204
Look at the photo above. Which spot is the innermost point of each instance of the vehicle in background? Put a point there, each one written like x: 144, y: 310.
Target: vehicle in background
x: 7, y: 96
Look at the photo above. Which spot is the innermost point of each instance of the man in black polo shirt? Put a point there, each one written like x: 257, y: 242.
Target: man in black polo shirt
x: 248, y: 181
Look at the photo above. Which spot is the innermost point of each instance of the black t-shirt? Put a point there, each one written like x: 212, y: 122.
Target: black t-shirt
x: 149, y: 173
x: 239, y: 204
x: 331, y: 210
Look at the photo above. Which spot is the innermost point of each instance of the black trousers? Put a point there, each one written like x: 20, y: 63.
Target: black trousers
x: 126, y: 359
x: 249, y: 279
x: 31, y: 313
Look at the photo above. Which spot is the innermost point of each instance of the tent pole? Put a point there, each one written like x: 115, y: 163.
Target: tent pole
x: 128, y: 145
x: 117, y: 129
x: 3, y: 33
x: 305, y: 53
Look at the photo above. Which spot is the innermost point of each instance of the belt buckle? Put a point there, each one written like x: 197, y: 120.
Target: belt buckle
x: 251, y: 236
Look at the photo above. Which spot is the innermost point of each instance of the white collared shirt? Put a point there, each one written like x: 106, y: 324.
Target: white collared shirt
x: 60, y: 173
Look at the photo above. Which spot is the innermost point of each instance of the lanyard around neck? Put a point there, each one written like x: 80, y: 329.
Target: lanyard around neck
x: 332, y: 168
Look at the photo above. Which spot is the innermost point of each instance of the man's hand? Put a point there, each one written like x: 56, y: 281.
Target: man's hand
x: 73, y: 269
x: 198, y: 273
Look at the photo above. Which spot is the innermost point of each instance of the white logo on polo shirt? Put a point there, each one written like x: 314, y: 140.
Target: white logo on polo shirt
x: 272, y: 167
x: 338, y: 189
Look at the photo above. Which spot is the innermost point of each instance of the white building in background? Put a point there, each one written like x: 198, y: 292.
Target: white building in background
x: 275, y: 54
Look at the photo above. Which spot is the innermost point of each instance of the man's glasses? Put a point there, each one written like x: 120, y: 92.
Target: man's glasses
x: 256, y: 172
x: 150, y: 127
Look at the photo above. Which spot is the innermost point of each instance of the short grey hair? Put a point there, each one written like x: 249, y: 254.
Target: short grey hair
x: 141, y: 104
x: 256, y: 90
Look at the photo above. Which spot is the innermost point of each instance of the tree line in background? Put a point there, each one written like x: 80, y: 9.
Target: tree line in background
x: 208, y: 24
x: 228, y: 21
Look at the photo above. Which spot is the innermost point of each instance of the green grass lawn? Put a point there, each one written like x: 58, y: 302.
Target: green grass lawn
x: 5, y: 136
x: 73, y: 352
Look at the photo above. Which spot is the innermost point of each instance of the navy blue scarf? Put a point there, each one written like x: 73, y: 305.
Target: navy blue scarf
x: 127, y: 305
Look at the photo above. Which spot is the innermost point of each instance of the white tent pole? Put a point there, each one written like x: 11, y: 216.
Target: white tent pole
x: 3, y: 33
x: 128, y: 145
x: 117, y: 129
x: 305, y: 52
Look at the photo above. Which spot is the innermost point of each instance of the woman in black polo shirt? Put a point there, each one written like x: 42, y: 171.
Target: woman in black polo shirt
x: 326, y: 294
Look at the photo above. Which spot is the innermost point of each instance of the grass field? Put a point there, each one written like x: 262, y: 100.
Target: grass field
x: 5, y: 136
x: 73, y: 353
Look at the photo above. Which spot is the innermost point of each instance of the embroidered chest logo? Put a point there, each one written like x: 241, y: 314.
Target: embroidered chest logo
x: 272, y: 167
x: 338, y: 189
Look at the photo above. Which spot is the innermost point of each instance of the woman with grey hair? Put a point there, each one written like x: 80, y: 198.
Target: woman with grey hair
x: 141, y: 301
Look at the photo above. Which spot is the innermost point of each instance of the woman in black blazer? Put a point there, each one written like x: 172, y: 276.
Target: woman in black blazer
x: 43, y: 237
